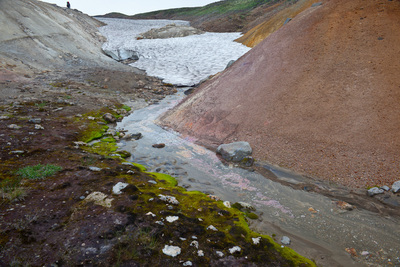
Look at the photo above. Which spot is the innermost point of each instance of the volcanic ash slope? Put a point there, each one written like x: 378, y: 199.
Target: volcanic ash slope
x: 320, y: 96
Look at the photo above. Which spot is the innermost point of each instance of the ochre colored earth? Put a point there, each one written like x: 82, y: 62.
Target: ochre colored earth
x: 320, y: 96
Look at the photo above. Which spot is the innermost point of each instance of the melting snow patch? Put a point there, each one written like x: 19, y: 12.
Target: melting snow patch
x: 172, y: 218
x: 118, y: 187
x: 172, y: 251
x: 235, y: 249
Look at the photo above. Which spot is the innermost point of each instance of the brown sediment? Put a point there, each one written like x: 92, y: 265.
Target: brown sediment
x: 320, y: 96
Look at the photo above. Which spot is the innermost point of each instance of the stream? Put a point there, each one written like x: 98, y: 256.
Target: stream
x: 316, y: 226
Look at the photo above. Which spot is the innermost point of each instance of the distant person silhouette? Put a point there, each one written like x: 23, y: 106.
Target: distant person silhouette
x: 68, y: 5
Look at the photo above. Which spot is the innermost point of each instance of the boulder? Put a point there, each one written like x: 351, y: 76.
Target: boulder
x: 375, y: 191
x: 121, y: 54
x: 235, y: 152
x: 396, y: 187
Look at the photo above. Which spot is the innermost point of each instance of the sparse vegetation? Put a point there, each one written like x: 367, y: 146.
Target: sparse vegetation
x: 39, y: 171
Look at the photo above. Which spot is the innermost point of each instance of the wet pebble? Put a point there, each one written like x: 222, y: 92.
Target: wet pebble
x: 161, y: 145
x: 375, y: 191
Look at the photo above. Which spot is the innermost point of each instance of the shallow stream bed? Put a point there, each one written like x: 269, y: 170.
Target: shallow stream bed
x: 317, y: 226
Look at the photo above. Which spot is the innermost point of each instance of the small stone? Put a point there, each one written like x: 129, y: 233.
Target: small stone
x: 3, y: 117
x: 161, y: 145
x: 365, y: 253
x: 227, y: 204
x: 375, y: 191
x: 194, y: 244
x: 17, y: 152
x: 171, y: 219
x: 35, y: 120
x: 151, y: 214
x: 169, y: 199
x: 14, y: 127
x: 95, y: 169
x: 118, y: 187
x: 352, y: 252
x: 200, y: 253
x: 235, y: 249
x: 172, y: 251
x: 137, y: 136
x: 285, y: 240
x: 212, y: 227
x: 256, y: 240
x: 108, y: 117
x: 188, y: 263
x: 385, y: 187
x: 396, y: 187
x: 152, y: 182
x: 220, y: 254
x: 39, y: 127
x: 214, y: 197
x: 344, y: 205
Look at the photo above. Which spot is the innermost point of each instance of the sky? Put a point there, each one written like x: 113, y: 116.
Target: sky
x: 128, y: 7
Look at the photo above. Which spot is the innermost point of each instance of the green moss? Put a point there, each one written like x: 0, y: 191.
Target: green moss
x: 168, y: 179
x: 251, y: 215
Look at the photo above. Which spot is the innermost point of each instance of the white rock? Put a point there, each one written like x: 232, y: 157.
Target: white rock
x: 169, y: 199
x: 118, y: 187
x: 235, y: 249
x: 285, y: 240
x: 212, y: 227
x: 150, y: 214
x: 39, y: 127
x: 365, y: 253
x: 256, y: 240
x: 247, y: 205
x: 375, y: 191
x: 171, y: 219
x: 227, y: 204
x: 94, y: 169
x: 194, y: 244
x: 200, y: 253
x: 396, y: 187
x: 188, y: 263
x: 172, y: 251
x: 99, y: 198
x: 220, y: 254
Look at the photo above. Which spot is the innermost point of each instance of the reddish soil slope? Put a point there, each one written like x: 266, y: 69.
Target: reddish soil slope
x: 320, y: 96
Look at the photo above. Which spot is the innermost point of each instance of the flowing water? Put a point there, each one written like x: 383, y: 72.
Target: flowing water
x: 317, y: 227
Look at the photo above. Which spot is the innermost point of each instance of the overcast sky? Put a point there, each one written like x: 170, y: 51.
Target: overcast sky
x: 128, y: 7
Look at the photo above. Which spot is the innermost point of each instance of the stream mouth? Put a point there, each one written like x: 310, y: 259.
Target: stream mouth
x: 319, y: 228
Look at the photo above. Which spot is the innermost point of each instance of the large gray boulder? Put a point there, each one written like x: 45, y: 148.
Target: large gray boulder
x: 121, y: 54
x: 235, y: 152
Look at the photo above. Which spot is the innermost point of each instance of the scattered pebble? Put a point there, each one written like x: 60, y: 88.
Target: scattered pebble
x: 227, y: 204
x: 171, y: 219
x: 94, y: 169
x: 256, y: 240
x: 152, y: 181
x: 396, y: 187
x: 169, y: 199
x: 151, y: 214
x: 285, y: 240
x: 14, y: 126
x: 188, y: 263
x: 235, y: 249
x: 220, y: 254
x: 172, y: 251
x: 200, y: 253
x: 385, y: 187
x: 194, y: 244
x: 375, y: 191
x: 212, y: 227
x: 39, y: 127
x: 118, y: 187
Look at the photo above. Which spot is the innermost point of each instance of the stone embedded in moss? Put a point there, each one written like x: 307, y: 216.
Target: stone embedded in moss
x: 124, y: 154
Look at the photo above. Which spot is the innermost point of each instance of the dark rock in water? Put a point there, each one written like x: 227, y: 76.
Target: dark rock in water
x: 235, y: 152
x: 108, y: 117
x: 159, y: 145
x: 189, y: 91
x: 137, y: 136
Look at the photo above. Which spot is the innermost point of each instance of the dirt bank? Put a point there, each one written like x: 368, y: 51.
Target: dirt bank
x: 319, y: 96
